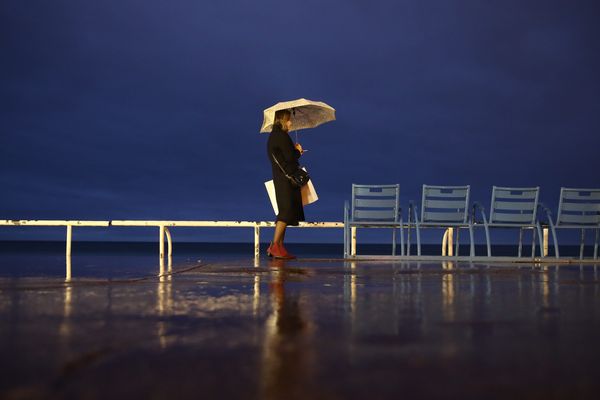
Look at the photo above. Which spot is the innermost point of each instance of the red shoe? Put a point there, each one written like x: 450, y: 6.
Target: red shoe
x: 278, y: 251
x: 270, y: 250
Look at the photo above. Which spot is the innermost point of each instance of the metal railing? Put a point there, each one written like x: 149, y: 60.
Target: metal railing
x: 163, y: 228
x: 164, y: 233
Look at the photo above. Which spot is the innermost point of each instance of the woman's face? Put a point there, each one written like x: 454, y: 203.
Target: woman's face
x: 288, y: 125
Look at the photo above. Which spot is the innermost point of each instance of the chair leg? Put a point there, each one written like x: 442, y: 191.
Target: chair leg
x: 472, y: 251
x: 408, y: 239
x: 533, y: 243
x: 401, y: 238
x: 457, y: 245
x: 346, y: 248
x: 346, y: 207
x: 520, y: 242
x: 487, y: 239
x: 418, y: 240
x: 596, y: 244
x: 393, y: 241
x: 582, y: 244
x: 554, y: 239
x: 345, y: 241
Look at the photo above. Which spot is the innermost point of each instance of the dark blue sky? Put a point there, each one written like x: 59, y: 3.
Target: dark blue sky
x: 151, y: 109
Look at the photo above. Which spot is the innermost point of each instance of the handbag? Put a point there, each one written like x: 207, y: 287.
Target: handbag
x: 298, y: 178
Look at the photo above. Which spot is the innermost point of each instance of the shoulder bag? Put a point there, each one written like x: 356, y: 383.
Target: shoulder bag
x: 298, y: 178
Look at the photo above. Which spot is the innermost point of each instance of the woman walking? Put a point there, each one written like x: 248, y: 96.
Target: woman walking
x: 289, y: 197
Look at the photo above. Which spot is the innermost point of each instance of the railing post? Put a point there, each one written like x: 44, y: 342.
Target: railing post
x: 545, y: 243
x: 161, y: 268
x: 256, y: 244
x: 68, y: 252
x: 447, y: 247
x: 69, y: 239
x: 68, y: 271
x: 161, y: 241
x: 169, y: 242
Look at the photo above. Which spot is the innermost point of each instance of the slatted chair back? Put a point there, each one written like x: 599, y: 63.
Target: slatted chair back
x: 514, y: 206
x: 379, y: 203
x: 445, y: 204
x: 578, y: 208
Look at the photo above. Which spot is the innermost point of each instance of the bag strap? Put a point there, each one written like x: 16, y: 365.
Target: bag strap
x: 280, y: 167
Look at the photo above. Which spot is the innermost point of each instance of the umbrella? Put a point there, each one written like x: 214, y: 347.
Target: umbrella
x: 305, y: 114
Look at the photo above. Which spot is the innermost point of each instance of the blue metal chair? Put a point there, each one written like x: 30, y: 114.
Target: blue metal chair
x: 373, y: 206
x: 513, y: 208
x: 577, y: 209
x: 442, y: 207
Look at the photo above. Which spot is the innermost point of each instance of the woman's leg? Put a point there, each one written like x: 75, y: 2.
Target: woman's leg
x: 279, y: 232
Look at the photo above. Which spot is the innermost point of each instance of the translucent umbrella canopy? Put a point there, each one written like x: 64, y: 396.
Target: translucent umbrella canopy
x: 305, y: 114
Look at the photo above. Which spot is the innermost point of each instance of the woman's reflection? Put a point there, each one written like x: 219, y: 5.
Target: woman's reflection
x: 288, y: 351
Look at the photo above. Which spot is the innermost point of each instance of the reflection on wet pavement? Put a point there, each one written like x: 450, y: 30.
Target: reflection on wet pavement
x: 306, y: 329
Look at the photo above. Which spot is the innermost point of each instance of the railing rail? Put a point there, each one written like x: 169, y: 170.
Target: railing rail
x: 164, y: 226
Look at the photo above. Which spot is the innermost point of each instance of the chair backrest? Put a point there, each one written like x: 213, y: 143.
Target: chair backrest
x: 514, y: 206
x: 445, y: 204
x: 375, y: 202
x: 579, y: 207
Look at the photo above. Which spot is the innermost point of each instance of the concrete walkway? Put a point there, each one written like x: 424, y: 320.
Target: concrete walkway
x: 306, y: 329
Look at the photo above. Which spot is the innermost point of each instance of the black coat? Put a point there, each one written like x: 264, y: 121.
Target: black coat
x: 289, y: 198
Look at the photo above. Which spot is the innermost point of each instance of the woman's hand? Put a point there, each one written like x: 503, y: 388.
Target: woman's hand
x: 298, y: 147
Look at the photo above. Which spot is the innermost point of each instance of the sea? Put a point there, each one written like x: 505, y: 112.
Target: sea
x: 114, y: 260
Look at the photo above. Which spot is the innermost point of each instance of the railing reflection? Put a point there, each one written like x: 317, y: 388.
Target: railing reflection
x: 448, y: 291
x: 256, y: 297
x: 548, y: 310
x: 65, y: 325
x: 164, y: 301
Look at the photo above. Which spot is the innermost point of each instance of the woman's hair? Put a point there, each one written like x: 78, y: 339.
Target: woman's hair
x: 281, y: 117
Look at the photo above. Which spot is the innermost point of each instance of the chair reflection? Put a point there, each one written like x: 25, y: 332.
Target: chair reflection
x: 288, y: 352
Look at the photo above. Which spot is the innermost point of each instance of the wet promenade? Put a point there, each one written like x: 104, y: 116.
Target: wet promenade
x: 308, y: 329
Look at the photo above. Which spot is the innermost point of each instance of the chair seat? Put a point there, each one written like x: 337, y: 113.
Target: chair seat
x: 509, y: 225
x: 375, y: 223
x: 582, y: 226
x: 441, y: 224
